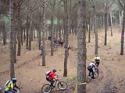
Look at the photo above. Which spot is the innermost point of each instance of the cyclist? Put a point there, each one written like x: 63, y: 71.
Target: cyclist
x: 91, y: 68
x: 10, y: 86
x: 51, y: 76
x: 97, y: 61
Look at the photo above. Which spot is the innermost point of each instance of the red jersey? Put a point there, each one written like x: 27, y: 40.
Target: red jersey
x: 52, y: 75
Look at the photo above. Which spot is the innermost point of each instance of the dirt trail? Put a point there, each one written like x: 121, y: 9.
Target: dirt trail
x: 31, y: 75
x: 112, y: 77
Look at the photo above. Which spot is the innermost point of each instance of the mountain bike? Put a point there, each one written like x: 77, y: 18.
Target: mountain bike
x: 61, y: 85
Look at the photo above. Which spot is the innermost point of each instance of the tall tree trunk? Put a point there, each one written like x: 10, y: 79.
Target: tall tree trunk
x: 27, y: 33
x: 102, y: 21
x: 52, y: 41
x: 52, y: 29
x: 22, y: 35
x: 81, y: 36
x: 30, y: 37
x: 120, y: 18
x: 110, y: 17
x: 19, y: 33
x: 66, y: 30
x: 106, y: 25
x: 59, y: 29
x: 4, y: 34
x: 64, y: 27
x: 122, y: 34
x: 89, y: 35
x: 56, y: 32
x: 12, y: 10
x: 32, y: 30
x: 39, y: 37
x: 43, y: 34
x: 70, y: 11
x: 96, y: 33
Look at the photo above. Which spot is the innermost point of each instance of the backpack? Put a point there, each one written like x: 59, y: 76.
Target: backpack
x: 6, y: 84
x: 47, y: 74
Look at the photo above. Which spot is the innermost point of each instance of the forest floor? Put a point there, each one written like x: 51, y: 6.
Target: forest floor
x: 31, y: 75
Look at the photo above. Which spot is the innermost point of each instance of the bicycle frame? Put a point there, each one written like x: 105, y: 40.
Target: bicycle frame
x: 56, y: 82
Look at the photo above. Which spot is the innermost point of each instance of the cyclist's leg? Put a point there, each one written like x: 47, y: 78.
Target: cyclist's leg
x: 52, y: 83
x: 92, y: 74
x: 89, y: 72
x: 89, y: 69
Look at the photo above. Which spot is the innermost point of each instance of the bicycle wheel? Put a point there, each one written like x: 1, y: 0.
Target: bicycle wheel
x: 46, y: 88
x: 62, y: 85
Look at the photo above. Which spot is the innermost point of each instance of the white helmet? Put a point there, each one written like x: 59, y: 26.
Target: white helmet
x: 97, y: 58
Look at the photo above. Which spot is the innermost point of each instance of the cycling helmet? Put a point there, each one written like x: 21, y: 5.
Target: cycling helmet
x: 54, y: 70
x: 97, y: 59
x: 14, y: 80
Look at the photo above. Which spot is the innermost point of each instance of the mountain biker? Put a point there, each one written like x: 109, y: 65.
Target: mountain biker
x: 91, y: 67
x: 97, y: 61
x: 51, y: 76
x: 10, y: 86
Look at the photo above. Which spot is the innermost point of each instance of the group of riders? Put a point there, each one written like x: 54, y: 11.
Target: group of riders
x: 11, y: 86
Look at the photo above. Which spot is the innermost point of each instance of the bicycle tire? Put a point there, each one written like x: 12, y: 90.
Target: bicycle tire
x: 44, y: 87
x: 62, y: 85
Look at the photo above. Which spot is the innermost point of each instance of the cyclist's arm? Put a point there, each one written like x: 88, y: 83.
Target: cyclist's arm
x: 16, y: 88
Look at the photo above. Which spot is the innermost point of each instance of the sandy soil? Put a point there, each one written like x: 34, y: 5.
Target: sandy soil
x: 31, y: 75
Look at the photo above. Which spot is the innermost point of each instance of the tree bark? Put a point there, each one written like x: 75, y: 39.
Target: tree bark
x: 52, y: 41
x: 59, y: 26
x: 52, y: 28
x: 43, y: 34
x: 66, y: 30
x: 122, y: 34
x: 22, y: 40
x: 39, y: 37
x: 96, y: 33
x: 27, y: 33
x: 110, y: 17
x: 4, y: 33
x: 19, y: 33
x: 30, y: 37
x: 89, y: 35
x: 106, y: 24
x: 12, y: 10
x: 81, y: 36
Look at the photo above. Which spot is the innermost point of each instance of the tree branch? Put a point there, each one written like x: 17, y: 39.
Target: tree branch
x: 120, y: 3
